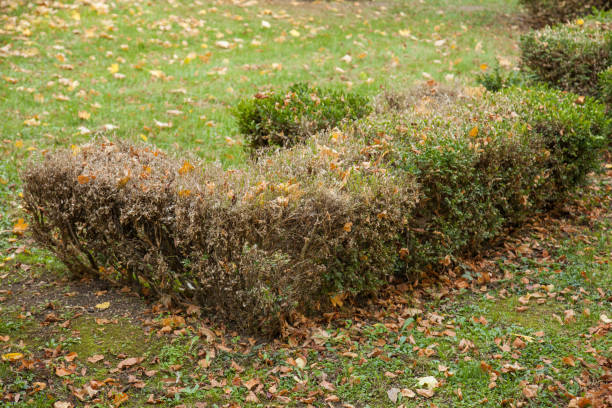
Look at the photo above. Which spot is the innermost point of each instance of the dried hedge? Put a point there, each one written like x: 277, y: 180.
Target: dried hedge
x: 346, y: 212
x: 291, y: 116
x: 569, y: 56
x: 253, y: 244
x: 550, y: 12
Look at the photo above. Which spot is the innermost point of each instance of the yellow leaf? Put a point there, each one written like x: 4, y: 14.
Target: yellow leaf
x: 82, y: 179
x: 184, y: 193
x: 19, y: 144
x: 84, y: 115
x: 190, y: 57
x: 186, y: 168
x: 337, y: 300
x: 294, y: 33
x: 12, y: 356
x: 404, y: 33
x: 20, y: 226
x: 474, y: 131
x: 300, y: 362
x: 31, y: 122
x: 123, y: 181
x: 113, y: 69
x: 103, y: 306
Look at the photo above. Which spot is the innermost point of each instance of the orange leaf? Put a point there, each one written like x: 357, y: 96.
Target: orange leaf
x: 20, y: 226
x: 186, y: 168
x: 120, y: 398
x: 474, y: 131
x: 62, y: 372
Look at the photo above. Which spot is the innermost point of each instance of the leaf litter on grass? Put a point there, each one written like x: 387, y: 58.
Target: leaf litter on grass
x: 526, y: 323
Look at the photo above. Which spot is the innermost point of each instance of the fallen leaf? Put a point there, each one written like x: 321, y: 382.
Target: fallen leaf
x: 20, y: 226
x: 569, y: 360
x: 128, y: 362
x: 392, y: 394
x: 530, y: 391
x: 70, y: 356
x: 95, y: 358
x: 474, y: 131
x: 425, y: 392
x: 62, y: 371
x: 300, y: 362
x: 12, y: 356
x: 120, y: 398
x: 429, y: 382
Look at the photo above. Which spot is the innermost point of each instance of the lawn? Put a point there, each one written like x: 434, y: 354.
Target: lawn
x: 524, y: 325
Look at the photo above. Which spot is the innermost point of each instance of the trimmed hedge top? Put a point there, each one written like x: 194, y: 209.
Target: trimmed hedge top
x: 286, y: 118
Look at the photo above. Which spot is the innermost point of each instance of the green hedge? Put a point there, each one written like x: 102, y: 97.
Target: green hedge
x: 287, y: 117
x: 550, y: 12
x: 605, y: 86
x: 569, y: 56
x: 342, y: 213
x: 482, y: 166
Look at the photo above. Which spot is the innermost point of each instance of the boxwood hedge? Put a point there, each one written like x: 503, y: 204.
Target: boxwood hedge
x: 570, y: 56
x: 286, y: 117
x: 395, y: 196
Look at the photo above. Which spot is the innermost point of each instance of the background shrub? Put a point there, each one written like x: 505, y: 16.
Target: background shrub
x: 343, y: 213
x: 570, y: 56
x: 290, y: 116
x: 549, y: 12
x: 495, y: 80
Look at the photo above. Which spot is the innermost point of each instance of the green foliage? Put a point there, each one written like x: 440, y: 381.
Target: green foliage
x: 549, y: 12
x: 570, y: 56
x: 605, y: 86
x: 288, y: 117
x: 488, y: 164
x: 496, y: 80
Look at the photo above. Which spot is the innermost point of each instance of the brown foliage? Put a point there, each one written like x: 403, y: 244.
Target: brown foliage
x: 253, y: 244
